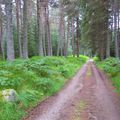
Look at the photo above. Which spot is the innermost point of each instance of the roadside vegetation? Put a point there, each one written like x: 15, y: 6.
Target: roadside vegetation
x: 112, y: 67
x: 62, y: 28
x: 33, y: 80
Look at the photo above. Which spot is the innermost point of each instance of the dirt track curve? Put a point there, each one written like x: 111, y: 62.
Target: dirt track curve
x: 88, y: 96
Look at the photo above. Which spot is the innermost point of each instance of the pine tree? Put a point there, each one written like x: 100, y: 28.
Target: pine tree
x: 25, y: 29
x: 9, y: 30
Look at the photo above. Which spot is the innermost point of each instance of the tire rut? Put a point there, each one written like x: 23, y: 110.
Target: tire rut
x: 85, y: 97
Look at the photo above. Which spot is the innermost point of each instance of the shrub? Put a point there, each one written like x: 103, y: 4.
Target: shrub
x: 27, y: 97
x: 34, y: 79
x: 46, y: 85
x: 84, y: 58
x: 96, y: 59
x: 112, y: 67
x: 10, y: 111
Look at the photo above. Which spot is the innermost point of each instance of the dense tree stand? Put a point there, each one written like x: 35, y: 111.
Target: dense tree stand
x: 62, y: 28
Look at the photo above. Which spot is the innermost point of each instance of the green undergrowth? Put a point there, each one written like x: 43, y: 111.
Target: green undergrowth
x: 112, y: 67
x: 34, y: 79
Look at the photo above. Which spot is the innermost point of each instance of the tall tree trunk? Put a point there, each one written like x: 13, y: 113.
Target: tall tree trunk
x: 45, y: 44
x: 25, y: 29
x: 1, y: 30
x: 68, y: 36
x: 108, y: 44
x: 115, y: 30
x: 9, y: 30
x: 18, y: 7
x: 40, y: 27
x: 118, y: 31
x: 30, y: 8
x: 61, y: 32
x: 49, y: 43
x: 78, y: 36
x: 64, y: 40
x: 73, y: 37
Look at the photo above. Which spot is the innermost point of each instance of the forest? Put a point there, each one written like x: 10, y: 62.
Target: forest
x: 52, y: 47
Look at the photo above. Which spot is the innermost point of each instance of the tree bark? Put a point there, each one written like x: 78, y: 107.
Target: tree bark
x: 73, y: 37
x: 108, y: 44
x: 25, y: 29
x: 9, y: 30
x: 61, y: 43
x: 118, y: 30
x: 49, y: 43
x: 78, y: 36
x: 18, y: 7
x: 68, y: 36
x: 115, y: 30
x: 1, y: 30
x: 40, y: 27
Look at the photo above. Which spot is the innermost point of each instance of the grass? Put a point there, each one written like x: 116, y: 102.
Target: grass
x: 112, y: 67
x: 33, y: 80
x: 79, y: 107
x: 89, y: 72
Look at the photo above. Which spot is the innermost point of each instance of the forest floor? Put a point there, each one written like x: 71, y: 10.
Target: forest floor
x: 87, y: 96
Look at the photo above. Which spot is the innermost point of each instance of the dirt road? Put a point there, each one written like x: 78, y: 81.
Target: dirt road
x: 88, y: 96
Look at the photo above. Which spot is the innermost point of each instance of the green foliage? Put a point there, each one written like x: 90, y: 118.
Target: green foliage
x: 45, y: 85
x: 54, y: 38
x: 93, y: 36
x: 27, y: 96
x: 83, y: 58
x: 96, y: 59
x: 10, y: 111
x: 33, y: 80
x: 15, y: 35
x: 63, y: 71
x: 32, y: 37
x: 112, y: 67
x: 116, y: 82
